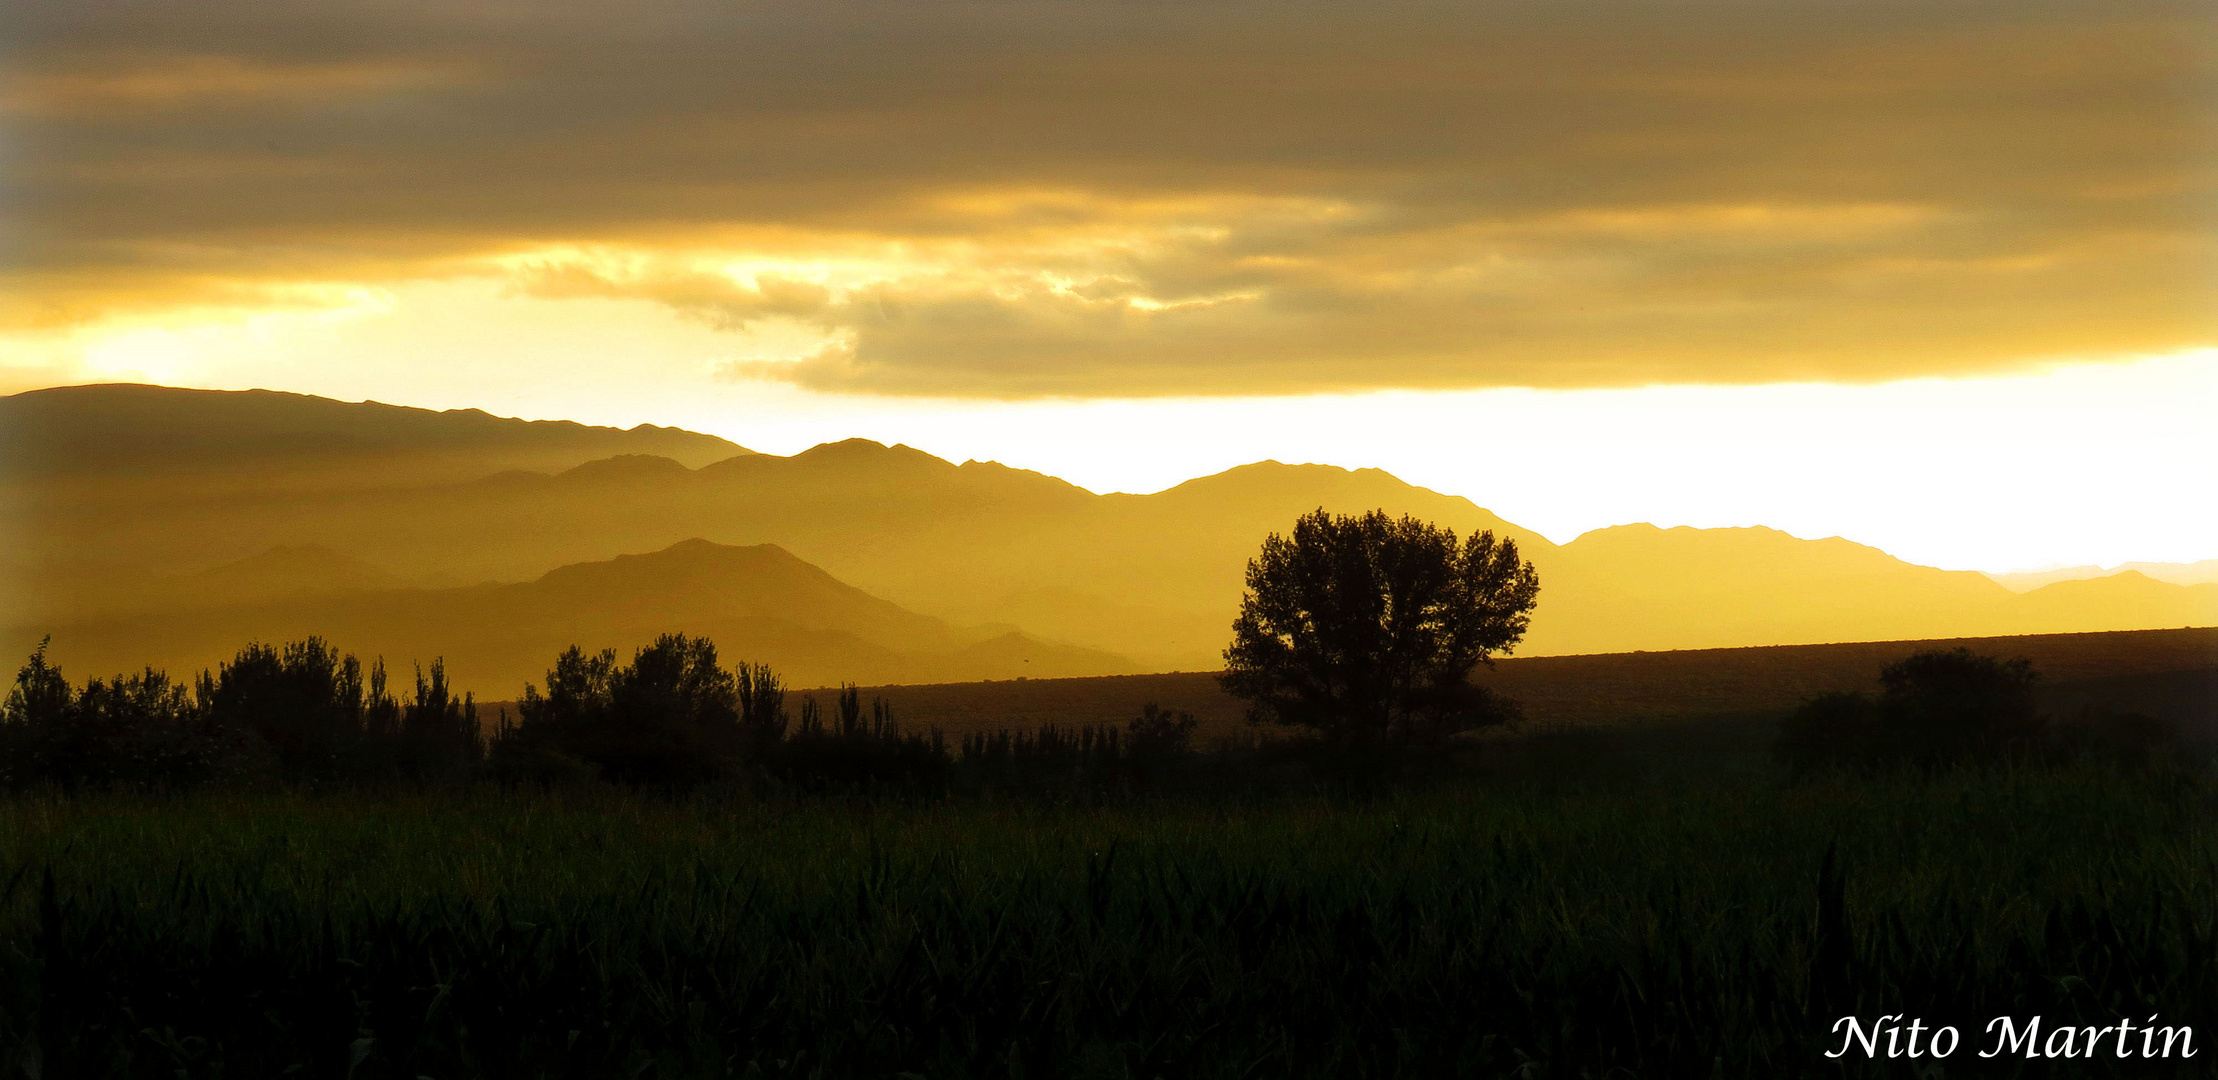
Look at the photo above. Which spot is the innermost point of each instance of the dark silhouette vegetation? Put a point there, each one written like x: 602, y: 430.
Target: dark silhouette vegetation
x: 302, y: 713
x: 1365, y: 629
x: 1941, y: 709
x: 1661, y: 931
x: 673, y: 717
x: 622, y: 915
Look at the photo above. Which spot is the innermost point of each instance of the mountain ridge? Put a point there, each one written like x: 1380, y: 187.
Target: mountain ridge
x: 1153, y: 577
x: 2194, y: 573
x: 758, y: 603
x: 66, y: 432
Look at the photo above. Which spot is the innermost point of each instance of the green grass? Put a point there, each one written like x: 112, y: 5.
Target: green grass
x: 1652, y: 928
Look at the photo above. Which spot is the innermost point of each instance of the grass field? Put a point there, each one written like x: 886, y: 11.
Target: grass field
x: 1628, y: 888
x: 1669, y: 926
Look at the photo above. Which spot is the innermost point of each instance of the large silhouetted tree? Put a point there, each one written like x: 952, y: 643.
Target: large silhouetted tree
x: 1366, y: 629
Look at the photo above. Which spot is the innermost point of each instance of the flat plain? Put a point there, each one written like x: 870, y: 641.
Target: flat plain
x: 2169, y: 673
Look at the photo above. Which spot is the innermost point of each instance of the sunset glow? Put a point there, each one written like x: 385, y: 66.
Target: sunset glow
x: 1917, y: 279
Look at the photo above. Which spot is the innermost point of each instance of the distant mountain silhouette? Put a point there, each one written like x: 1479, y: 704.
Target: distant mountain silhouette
x: 2129, y: 597
x: 93, y: 479
x: 2194, y: 573
x: 1155, y: 578
x: 122, y: 431
x: 760, y: 604
x: 1640, y: 587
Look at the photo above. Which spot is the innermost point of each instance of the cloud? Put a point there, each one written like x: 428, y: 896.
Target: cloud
x: 1030, y: 199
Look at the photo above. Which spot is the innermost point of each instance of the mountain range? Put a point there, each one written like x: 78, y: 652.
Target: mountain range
x: 484, y: 540
x: 760, y: 604
x: 2194, y: 573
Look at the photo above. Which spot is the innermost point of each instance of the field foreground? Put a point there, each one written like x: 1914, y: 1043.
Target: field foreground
x: 1651, y: 929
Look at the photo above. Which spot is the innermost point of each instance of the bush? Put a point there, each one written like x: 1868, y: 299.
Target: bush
x: 140, y: 730
x: 437, y: 739
x: 302, y: 701
x: 856, y: 753
x: 1830, y: 730
x: 1938, y: 709
x: 673, y: 716
x: 302, y: 712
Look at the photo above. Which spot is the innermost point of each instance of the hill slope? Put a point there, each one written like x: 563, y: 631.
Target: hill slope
x: 104, y: 488
x: 759, y: 604
x: 119, y: 431
x: 1155, y: 578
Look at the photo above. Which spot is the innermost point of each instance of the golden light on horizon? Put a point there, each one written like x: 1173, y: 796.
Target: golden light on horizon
x: 1584, y: 271
x: 1962, y: 473
x: 1587, y: 479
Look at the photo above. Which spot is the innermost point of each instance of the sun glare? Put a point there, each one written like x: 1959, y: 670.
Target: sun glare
x: 1963, y: 473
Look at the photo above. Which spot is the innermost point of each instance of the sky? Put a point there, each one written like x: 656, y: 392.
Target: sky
x: 1936, y: 277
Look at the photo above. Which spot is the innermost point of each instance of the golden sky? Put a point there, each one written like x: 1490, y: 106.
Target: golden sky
x: 781, y: 220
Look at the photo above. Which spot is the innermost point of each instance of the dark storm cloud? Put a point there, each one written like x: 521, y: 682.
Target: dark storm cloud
x: 1069, y: 198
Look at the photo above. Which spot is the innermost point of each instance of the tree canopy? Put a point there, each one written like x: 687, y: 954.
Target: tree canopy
x: 1936, y: 708
x: 1366, y: 629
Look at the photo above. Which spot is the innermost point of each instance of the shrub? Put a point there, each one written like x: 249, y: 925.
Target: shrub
x: 135, y: 730
x: 437, y: 738
x: 672, y: 716
x: 302, y: 701
x: 1935, y: 709
x: 300, y: 712
x: 856, y: 753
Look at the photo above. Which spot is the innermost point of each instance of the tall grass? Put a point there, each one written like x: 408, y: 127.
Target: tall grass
x: 1651, y: 931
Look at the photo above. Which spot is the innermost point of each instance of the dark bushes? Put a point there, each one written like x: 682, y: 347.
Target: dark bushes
x: 674, y: 718
x: 671, y: 716
x: 140, y: 729
x: 438, y: 738
x: 1940, y: 709
x: 299, y: 713
x: 1150, y: 752
x: 856, y: 752
x: 303, y: 701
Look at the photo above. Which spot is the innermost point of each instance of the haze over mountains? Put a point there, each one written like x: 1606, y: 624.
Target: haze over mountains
x: 125, y: 501
x: 759, y: 604
x: 2194, y: 573
x: 116, y: 433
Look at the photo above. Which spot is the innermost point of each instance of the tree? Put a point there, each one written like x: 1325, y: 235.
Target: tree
x: 135, y: 729
x: 1366, y: 629
x: 437, y: 733
x: 303, y: 701
x: 1938, y: 707
x: 1935, y: 709
x: 673, y: 715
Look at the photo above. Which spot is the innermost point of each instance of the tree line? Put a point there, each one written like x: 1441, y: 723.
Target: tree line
x: 298, y: 713
x: 672, y: 716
